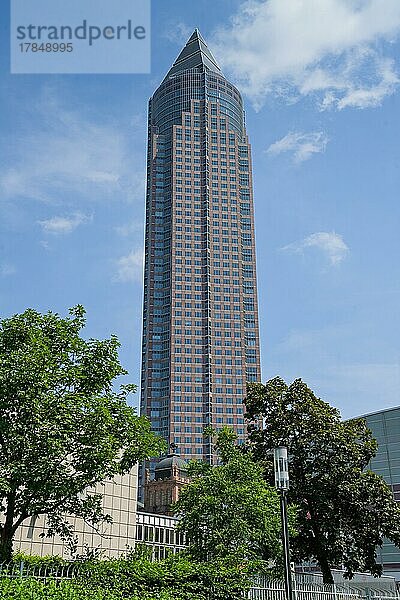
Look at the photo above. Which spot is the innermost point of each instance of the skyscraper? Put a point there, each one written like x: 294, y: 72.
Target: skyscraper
x: 200, y: 321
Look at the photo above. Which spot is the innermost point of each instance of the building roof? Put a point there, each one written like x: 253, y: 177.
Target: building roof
x: 163, y: 469
x: 194, y: 55
x: 376, y: 412
x: 169, y: 461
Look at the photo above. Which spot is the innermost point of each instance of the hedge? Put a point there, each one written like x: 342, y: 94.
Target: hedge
x: 135, y: 577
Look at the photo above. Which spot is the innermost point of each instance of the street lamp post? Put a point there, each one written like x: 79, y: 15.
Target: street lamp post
x: 282, y: 484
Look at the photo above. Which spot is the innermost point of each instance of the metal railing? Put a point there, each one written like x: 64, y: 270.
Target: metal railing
x: 42, y: 572
x: 384, y: 586
x: 267, y: 589
x: 263, y: 588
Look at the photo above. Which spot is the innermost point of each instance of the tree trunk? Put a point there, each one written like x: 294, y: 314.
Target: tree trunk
x: 325, y: 568
x: 6, y: 546
x: 7, y: 531
x: 320, y: 553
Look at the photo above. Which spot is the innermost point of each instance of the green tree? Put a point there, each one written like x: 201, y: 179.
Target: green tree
x: 63, y: 427
x: 345, y: 509
x: 229, y: 509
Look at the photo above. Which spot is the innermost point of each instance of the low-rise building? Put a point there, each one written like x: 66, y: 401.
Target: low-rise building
x: 159, y: 532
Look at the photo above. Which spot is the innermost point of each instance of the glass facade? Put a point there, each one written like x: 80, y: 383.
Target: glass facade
x: 385, y: 427
x: 200, y: 320
x: 159, y: 533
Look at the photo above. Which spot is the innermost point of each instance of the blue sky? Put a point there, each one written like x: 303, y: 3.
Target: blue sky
x: 320, y: 81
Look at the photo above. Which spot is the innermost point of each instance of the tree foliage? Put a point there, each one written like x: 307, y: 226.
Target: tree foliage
x: 63, y: 427
x: 229, y: 510
x: 345, y: 509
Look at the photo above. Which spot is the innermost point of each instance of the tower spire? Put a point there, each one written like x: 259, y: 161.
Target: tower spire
x: 194, y: 55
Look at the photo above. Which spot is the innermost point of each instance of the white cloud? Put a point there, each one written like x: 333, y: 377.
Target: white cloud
x: 130, y: 228
x: 7, y: 269
x: 331, y: 244
x: 292, y: 48
x: 178, y: 32
x: 62, y: 151
x: 303, y: 145
x: 130, y: 267
x: 62, y: 225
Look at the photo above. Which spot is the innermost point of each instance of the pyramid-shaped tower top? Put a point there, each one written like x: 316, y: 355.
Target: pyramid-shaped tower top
x: 195, y: 54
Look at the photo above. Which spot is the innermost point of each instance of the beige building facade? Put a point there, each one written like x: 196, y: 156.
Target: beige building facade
x: 119, y: 501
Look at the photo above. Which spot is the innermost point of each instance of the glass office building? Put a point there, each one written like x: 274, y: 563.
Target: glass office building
x: 200, y: 323
x: 385, y: 427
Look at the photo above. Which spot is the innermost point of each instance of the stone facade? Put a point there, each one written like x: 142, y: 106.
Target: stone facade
x: 162, y: 491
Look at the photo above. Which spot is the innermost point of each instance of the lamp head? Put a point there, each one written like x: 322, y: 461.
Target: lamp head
x: 281, y: 468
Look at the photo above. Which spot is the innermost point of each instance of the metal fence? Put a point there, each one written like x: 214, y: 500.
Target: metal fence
x: 384, y: 585
x: 263, y: 588
x: 266, y: 589
x: 42, y: 572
